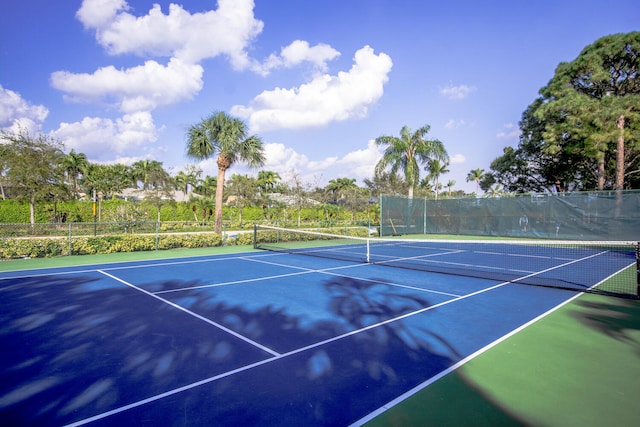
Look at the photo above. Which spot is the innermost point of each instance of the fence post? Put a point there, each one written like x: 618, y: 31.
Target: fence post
x: 157, y: 234
x: 70, y: 240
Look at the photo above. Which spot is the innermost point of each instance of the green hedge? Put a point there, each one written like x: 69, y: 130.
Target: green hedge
x: 51, y: 247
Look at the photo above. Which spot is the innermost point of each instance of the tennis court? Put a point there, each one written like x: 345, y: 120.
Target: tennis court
x: 257, y: 338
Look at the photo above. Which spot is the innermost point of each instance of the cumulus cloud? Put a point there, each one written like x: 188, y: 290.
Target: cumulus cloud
x: 99, y: 13
x: 144, y: 87
x: 457, y: 159
x: 180, y: 34
x: 361, y: 163
x: 323, y: 100
x: 16, y: 113
x: 456, y: 92
x: 100, y: 137
x: 285, y: 160
x: 297, y: 53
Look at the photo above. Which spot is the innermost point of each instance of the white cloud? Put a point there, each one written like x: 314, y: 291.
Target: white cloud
x: 16, y: 113
x: 457, y: 92
x: 297, y: 53
x: 180, y: 34
x: 281, y: 159
x: 324, y: 99
x: 286, y: 161
x: 99, y: 13
x: 454, y: 124
x: 144, y: 87
x: 361, y: 163
x: 457, y: 159
x: 509, y: 131
x: 100, y: 137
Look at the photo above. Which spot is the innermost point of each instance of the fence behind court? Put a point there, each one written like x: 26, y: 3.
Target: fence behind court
x: 607, y: 215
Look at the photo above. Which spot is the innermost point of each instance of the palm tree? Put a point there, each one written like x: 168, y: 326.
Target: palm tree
x: 226, y: 136
x: 495, y: 191
x: 408, y: 152
x: 267, y: 180
x: 204, y: 205
x: 75, y: 164
x: 450, y: 185
x: 337, y: 187
x: 142, y: 171
x: 207, y: 186
x: 476, y: 175
x: 181, y: 181
x: 435, y: 169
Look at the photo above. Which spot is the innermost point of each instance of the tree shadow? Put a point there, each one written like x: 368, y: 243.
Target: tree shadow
x: 83, y: 344
x: 613, y: 317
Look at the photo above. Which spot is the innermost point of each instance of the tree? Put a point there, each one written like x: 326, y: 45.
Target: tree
x: 4, y: 167
x: 33, y: 166
x: 436, y: 168
x: 450, y: 184
x: 385, y: 183
x: 75, y: 164
x: 408, y: 152
x: 592, y: 106
x: 297, y: 190
x: 160, y: 187
x: 243, y: 189
x: 207, y: 186
x: 529, y: 167
x: 476, y: 175
x: 226, y: 136
x: 142, y: 171
x: 204, y: 205
x: 267, y: 181
x: 188, y: 178
x: 339, y: 187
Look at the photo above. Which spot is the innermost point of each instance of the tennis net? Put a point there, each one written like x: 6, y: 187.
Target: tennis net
x: 605, y: 267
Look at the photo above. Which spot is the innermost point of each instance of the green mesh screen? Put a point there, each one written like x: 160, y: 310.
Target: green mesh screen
x: 578, y: 216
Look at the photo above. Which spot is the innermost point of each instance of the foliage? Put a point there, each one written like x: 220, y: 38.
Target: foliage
x: 406, y: 153
x: 34, y: 167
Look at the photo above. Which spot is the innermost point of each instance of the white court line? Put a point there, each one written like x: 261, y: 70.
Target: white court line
x: 257, y: 279
x: 204, y: 319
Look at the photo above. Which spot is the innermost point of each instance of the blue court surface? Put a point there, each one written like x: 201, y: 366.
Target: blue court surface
x: 258, y: 338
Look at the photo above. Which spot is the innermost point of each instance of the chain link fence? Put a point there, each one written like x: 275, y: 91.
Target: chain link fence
x: 75, y: 238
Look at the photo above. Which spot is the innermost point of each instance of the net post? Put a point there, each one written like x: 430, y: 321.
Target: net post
x: 368, y: 252
x: 638, y: 269
x: 255, y: 236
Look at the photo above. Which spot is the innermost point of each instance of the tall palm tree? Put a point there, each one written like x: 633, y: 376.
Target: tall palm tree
x: 75, y: 164
x: 408, y: 152
x: 476, y: 175
x: 226, y: 136
x: 435, y: 169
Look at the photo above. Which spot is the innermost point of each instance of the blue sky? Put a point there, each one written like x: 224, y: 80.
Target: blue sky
x: 318, y: 81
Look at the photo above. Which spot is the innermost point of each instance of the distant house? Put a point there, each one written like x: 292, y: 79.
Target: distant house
x: 289, y: 200
x: 137, y: 194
